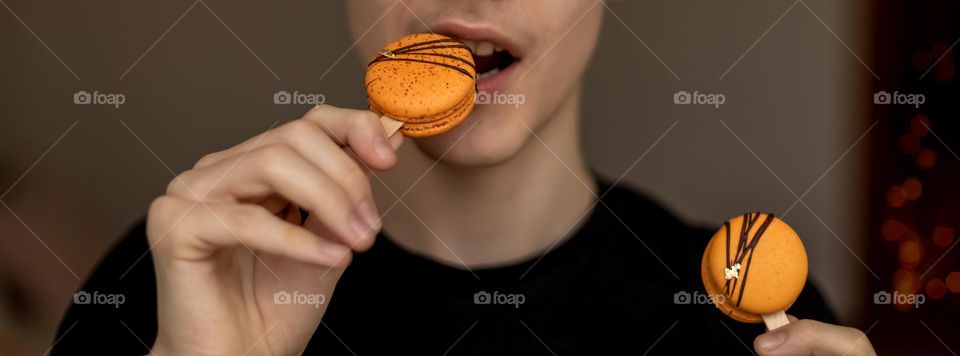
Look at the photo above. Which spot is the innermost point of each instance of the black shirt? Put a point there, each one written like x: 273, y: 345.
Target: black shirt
x: 627, y: 281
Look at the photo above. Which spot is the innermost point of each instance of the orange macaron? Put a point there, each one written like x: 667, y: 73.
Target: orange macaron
x: 427, y: 81
x: 754, y: 265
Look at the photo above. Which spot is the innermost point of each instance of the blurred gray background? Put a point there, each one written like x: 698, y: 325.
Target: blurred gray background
x: 199, y: 81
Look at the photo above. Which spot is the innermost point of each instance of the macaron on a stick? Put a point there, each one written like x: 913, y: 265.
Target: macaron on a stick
x: 422, y: 85
x: 754, y: 268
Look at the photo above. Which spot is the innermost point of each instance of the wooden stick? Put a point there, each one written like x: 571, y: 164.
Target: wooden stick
x: 391, y: 126
x: 775, y: 320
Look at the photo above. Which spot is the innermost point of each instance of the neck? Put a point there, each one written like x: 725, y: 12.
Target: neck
x: 496, y: 214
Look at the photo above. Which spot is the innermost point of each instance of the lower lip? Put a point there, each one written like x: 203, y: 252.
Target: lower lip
x: 497, y: 81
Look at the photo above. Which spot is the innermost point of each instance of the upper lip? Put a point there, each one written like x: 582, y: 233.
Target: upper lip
x: 477, y: 32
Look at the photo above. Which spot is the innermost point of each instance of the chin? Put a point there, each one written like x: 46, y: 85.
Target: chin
x: 491, y: 135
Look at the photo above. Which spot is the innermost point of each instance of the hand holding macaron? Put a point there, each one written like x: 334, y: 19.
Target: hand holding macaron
x: 755, y: 267
x: 811, y: 337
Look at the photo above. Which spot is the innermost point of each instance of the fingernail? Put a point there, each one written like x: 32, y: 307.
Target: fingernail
x: 383, y: 148
x: 360, y: 228
x: 771, y: 340
x: 369, y: 213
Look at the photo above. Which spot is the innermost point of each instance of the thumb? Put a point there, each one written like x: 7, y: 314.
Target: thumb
x: 810, y: 337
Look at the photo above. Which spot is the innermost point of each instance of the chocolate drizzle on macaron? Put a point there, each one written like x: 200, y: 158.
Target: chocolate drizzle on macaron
x: 745, y: 248
x: 418, y: 49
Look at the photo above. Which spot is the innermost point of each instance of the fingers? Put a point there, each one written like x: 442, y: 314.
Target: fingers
x: 360, y: 130
x: 318, y: 162
x: 316, y: 139
x: 809, y: 337
x: 279, y: 169
x: 193, y: 231
x: 312, y: 143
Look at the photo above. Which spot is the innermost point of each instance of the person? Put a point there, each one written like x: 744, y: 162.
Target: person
x: 323, y: 236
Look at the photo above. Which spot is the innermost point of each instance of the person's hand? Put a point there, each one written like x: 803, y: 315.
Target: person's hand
x: 237, y: 272
x: 810, y: 337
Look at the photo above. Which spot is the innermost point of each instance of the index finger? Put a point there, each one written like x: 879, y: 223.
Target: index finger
x: 361, y: 131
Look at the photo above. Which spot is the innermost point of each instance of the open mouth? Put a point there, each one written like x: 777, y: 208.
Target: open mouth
x: 489, y: 58
x: 496, y: 55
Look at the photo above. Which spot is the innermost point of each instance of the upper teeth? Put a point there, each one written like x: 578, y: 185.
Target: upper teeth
x: 482, y: 48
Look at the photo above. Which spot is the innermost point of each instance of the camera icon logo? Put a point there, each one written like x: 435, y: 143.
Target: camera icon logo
x: 881, y: 297
x: 481, y: 297
x: 484, y: 98
x: 81, y: 297
x: 82, y: 98
x: 281, y: 297
x: 282, y: 97
x: 681, y: 297
x: 882, y: 98
x: 682, y: 97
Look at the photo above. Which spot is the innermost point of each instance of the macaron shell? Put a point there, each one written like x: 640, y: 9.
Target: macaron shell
x: 410, y: 90
x: 441, y: 125
x: 771, y: 277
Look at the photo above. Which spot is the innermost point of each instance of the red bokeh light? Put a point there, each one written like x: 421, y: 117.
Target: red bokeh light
x: 912, y: 188
x: 926, y: 158
x: 953, y: 282
x: 936, y: 289
x: 945, y: 71
x: 919, y: 125
x: 910, y: 253
x: 905, y: 281
x: 892, y: 230
x: 895, y: 196
x: 943, y: 236
x: 940, y: 48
